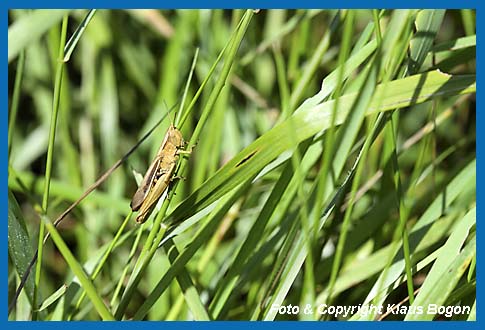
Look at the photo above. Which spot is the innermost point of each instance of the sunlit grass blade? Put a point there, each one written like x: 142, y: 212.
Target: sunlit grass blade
x: 398, y: 94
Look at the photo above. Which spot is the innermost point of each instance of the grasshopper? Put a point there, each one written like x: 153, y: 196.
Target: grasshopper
x: 159, y: 174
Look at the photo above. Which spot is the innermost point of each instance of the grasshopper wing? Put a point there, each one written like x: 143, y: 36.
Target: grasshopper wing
x: 145, y: 185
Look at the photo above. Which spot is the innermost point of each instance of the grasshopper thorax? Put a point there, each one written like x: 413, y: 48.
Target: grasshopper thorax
x: 175, y: 137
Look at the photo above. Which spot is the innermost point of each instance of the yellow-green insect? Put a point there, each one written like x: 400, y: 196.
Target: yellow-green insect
x: 159, y: 174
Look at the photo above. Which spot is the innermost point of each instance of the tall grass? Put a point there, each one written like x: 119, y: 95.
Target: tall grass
x: 333, y: 164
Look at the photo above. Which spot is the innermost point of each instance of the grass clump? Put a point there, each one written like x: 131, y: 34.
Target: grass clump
x: 333, y: 164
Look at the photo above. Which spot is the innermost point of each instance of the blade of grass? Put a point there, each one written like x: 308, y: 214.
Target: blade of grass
x: 446, y: 282
x: 78, y: 271
x: 469, y: 20
x: 192, y: 297
x: 104, y: 258
x: 19, y: 244
x: 450, y: 250
x: 285, y: 29
x: 76, y: 36
x: 115, y: 298
x: 427, y: 24
x: 311, y: 68
x: 15, y: 99
x: 53, y: 298
x: 49, y: 159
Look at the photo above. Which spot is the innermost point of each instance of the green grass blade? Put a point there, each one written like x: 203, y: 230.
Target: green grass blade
x: 50, y: 155
x: 53, y: 298
x: 76, y: 36
x: 450, y: 250
x: 399, y: 93
x: 15, y: 99
x: 427, y: 24
x: 444, y: 284
x: 77, y: 269
x: 19, y: 244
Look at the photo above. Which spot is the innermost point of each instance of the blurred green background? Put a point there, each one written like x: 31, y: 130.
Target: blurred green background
x: 130, y: 67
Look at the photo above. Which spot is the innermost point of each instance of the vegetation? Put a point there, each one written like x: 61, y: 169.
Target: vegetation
x: 333, y: 164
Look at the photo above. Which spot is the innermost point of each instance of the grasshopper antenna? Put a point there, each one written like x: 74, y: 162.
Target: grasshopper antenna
x: 172, y: 118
